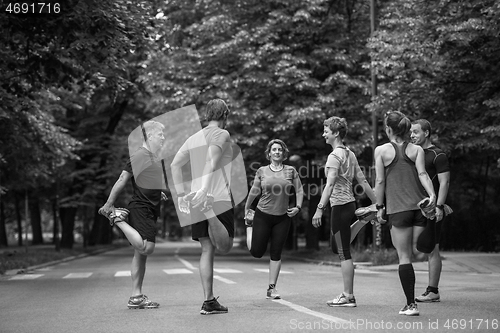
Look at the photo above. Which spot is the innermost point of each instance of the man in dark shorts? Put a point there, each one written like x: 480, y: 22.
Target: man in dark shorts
x: 209, y: 202
x: 436, y: 165
x: 145, y: 170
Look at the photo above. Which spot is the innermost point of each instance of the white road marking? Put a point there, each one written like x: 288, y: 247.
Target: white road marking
x: 220, y: 278
x: 367, y: 271
x: 266, y: 270
x: 77, y: 276
x: 305, y: 310
x: 186, y: 263
x: 175, y: 271
x: 123, y: 273
x: 26, y: 277
x: 226, y: 270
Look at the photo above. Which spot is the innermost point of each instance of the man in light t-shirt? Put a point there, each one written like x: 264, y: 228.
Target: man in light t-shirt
x: 210, y: 154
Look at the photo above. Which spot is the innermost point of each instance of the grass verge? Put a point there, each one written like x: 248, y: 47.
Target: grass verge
x: 19, y: 258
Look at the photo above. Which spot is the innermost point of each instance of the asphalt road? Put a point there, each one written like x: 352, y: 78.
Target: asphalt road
x: 90, y: 295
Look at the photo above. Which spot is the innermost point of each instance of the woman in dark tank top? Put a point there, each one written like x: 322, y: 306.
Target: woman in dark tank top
x: 402, y: 181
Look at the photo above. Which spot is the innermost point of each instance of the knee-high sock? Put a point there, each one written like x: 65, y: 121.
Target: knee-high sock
x: 407, y: 277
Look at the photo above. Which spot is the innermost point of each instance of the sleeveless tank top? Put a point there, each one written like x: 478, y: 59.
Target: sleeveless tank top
x: 403, y: 189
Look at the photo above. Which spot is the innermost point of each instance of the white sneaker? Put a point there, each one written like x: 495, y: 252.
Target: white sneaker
x: 273, y: 294
x: 409, y: 310
x: 428, y: 297
x: 342, y: 300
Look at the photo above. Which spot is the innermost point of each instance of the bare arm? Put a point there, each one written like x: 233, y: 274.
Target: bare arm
x: 299, y: 197
x: 423, y: 175
x: 444, y: 184
x: 332, y: 174
x: 254, y: 193
x: 299, y: 191
x: 379, y: 182
x: 181, y: 158
x: 360, y: 177
x: 115, y: 192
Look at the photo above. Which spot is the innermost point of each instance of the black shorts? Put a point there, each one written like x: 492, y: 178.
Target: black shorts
x: 143, y: 219
x: 429, y: 238
x: 410, y: 218
x: 225, y: 213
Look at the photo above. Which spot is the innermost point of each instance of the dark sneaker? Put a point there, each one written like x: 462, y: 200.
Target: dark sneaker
x: 409, y: 310
x: 342, y: 300
x: 428, y: 297
x: 141, y: 302
x: 212, y: 307
x: 273, y: 294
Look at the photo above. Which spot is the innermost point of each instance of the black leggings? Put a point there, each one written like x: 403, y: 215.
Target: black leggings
x: 269, y: 227
x: 340, y: 230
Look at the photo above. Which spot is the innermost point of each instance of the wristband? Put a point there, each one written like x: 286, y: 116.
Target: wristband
x: 300, y: 208
x: 181, y: 194
x: 379, y: 206
x: 440, y: 207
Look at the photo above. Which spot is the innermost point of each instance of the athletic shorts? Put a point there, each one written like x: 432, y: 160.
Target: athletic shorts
x: 143, y: 219
x: 410, y: 218
x: 225, y: 213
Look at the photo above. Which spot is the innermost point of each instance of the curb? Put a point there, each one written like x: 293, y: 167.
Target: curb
x: 16, y: 271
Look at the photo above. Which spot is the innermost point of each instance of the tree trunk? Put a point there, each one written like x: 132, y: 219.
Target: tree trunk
x: 3, y: 229
x: 36, y: 220
x: 101, y: 231
x: 19, y: 221
x: 67, y: 215
x: 55, y: 230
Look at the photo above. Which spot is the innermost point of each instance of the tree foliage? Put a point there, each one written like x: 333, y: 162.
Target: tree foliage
x: 74, y: 85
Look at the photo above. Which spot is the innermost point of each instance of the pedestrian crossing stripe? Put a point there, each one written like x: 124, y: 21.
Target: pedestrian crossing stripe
x: 175, y: 271
x: 266, y: 270
x: 220, y: 278
x: 26, y: 277
x: 123, y: 273
x: 77, y: 276
x: 226, y: 270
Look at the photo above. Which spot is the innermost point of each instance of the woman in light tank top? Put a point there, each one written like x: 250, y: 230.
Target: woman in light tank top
x: 341, y: 168
x: 402, y: 181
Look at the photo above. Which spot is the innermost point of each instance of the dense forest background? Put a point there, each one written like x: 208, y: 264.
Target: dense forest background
x: 74, y: 84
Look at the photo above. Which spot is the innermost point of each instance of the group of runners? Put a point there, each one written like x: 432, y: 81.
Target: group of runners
x: 406, y: 173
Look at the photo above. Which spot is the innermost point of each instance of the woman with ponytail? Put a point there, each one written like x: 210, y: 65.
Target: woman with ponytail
x: 402, y: 181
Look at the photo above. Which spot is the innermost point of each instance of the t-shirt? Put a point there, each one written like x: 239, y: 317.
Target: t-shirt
x: 436, y: 162
x: 345, y: 164
x: 276, y: 188
x: 147, y: 180
x: 197, y: 147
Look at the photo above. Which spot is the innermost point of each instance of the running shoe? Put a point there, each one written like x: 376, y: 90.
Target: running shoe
x: 409, y: 310
x: 428, y: 297
x: 141, y: 302
x: 249, y: 218
x: 342, y: 300
x: 273, y: 294
x: 212, y: 307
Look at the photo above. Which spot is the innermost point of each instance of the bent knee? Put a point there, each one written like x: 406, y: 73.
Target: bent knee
x: 225, y: 248
x: 147, y: 249
x: 256, y: 253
